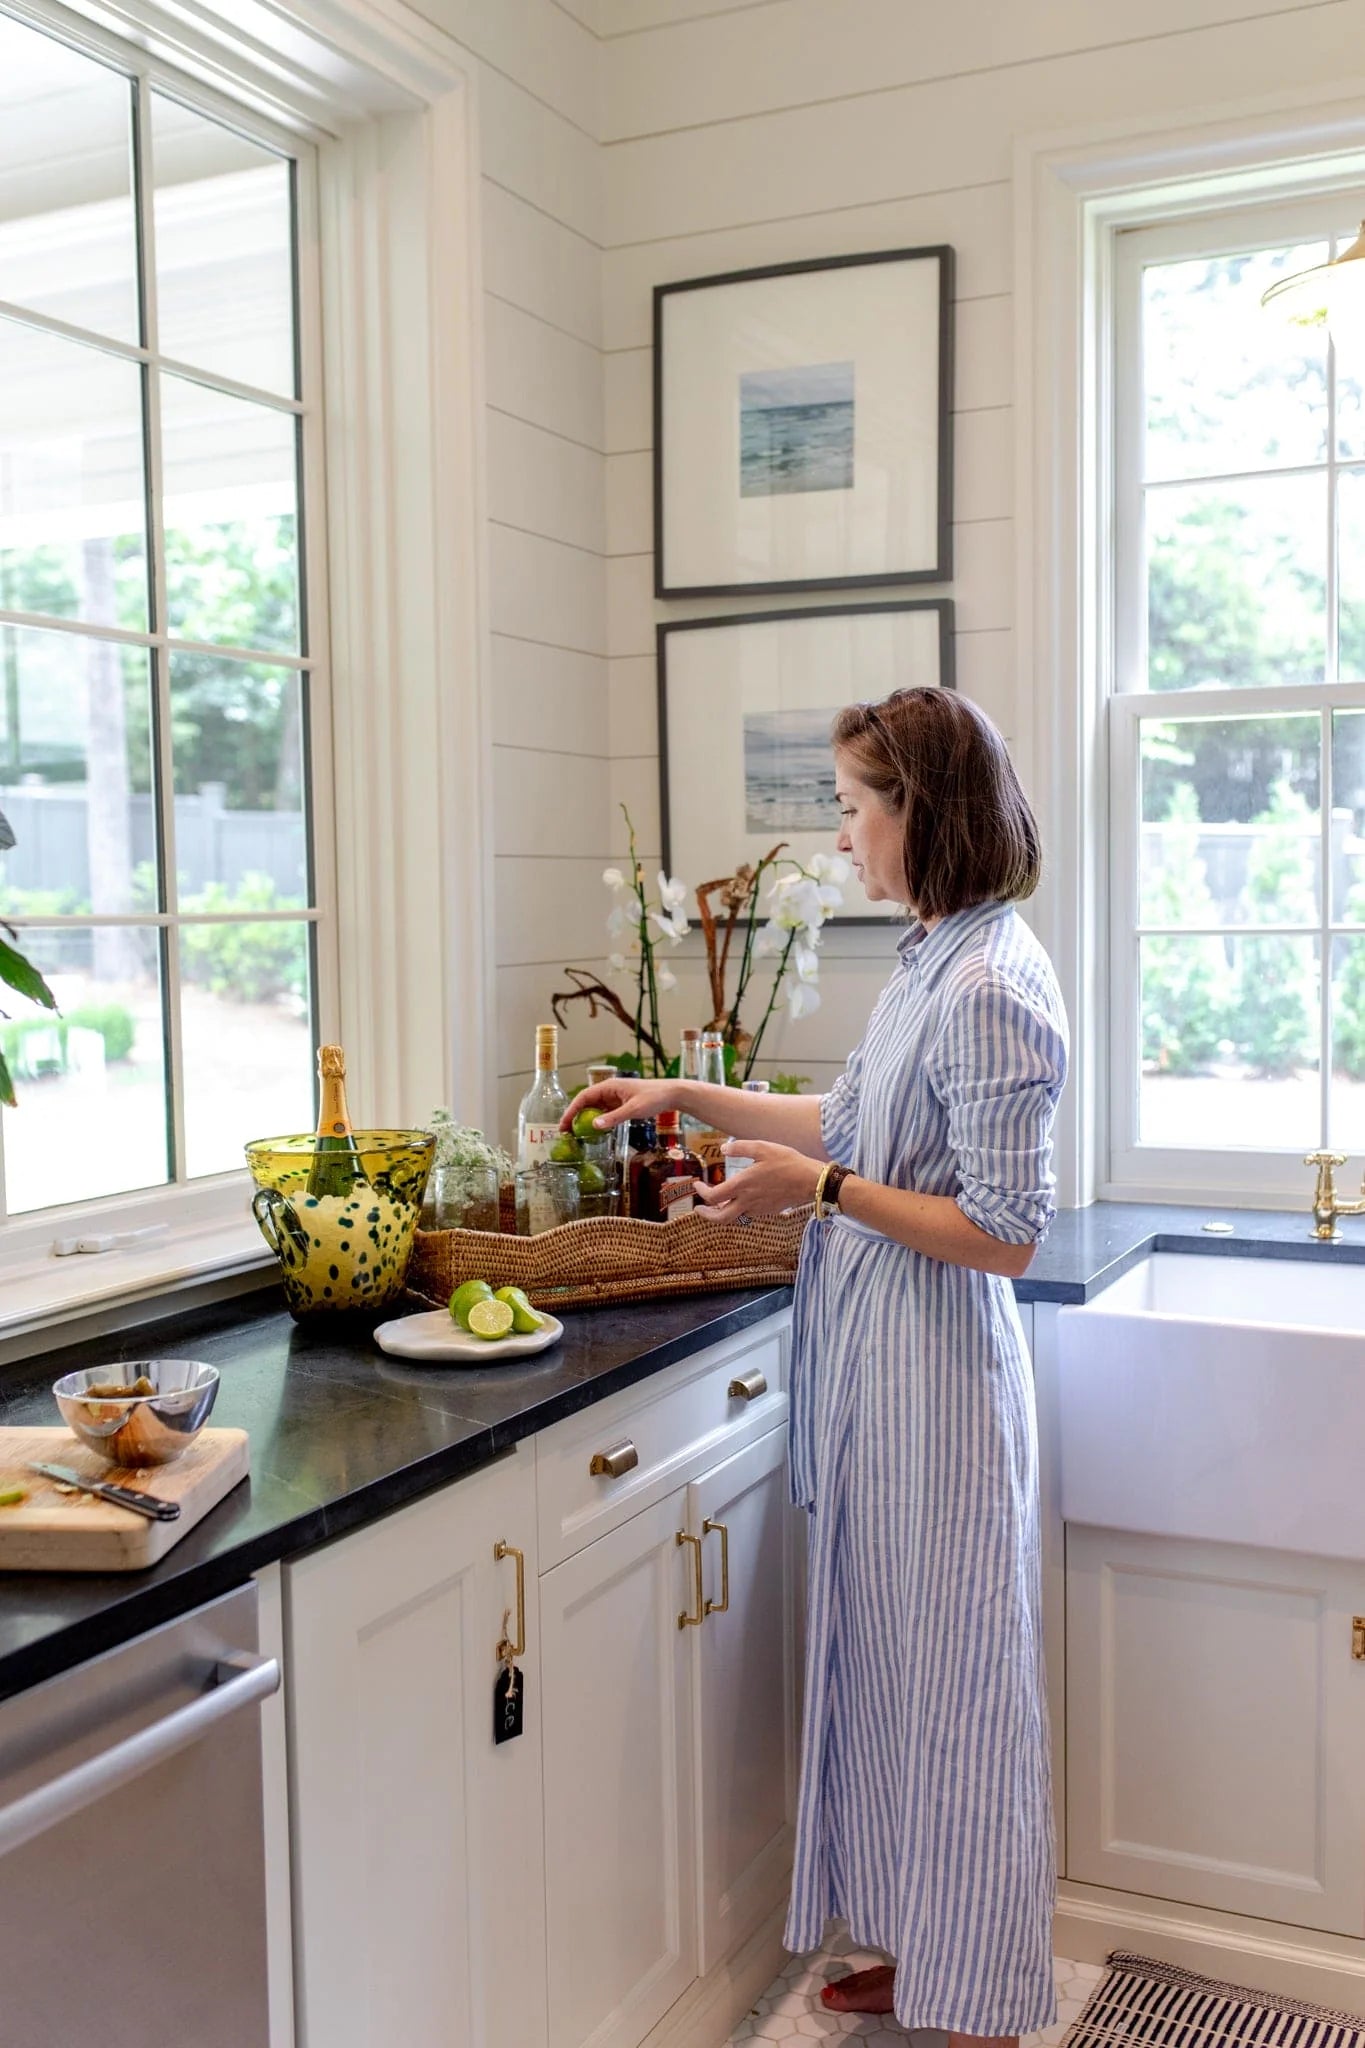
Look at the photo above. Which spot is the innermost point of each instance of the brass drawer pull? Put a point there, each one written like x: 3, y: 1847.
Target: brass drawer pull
x: 507, y: 1648
x: 721, y: 1606
x: 686, y: 1620
x: 622, y: 1457
x: 747, y: 1386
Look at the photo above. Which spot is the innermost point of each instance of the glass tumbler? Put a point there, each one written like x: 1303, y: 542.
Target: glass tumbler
x: 547, y: 1195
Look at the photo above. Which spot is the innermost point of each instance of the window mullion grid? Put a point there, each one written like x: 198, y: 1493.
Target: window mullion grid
x: 163, y: 765
x: 1332, y: 674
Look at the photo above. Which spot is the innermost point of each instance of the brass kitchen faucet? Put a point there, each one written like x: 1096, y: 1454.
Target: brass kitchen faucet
x: 1327, y: 1204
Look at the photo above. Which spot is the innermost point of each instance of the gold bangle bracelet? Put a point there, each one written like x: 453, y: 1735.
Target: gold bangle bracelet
x: 820, y: 1210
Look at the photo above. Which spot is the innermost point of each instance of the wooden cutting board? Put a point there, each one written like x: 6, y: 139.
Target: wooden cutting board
x: 52, y: 1531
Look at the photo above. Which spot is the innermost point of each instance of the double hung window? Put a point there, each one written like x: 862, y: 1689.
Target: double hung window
x: 159, y: 672
x: 1237, y: 714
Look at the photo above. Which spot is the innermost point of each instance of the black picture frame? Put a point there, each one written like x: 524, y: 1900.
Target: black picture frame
x: 936, y: 256
x: 938, y: 614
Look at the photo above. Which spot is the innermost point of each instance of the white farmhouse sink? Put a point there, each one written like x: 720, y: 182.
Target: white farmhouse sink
x: 1219, y: 1398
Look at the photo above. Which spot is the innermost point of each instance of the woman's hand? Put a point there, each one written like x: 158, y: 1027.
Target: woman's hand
x: 621, y: 1100
x: 778, y: 1179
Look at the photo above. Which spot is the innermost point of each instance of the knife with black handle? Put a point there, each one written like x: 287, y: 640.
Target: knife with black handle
x: 122, y: 1496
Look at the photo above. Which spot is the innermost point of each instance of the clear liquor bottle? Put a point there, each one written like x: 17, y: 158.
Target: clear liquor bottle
x: 735, y: 1162
x: 707, y: 1141
x: 542, y: 1106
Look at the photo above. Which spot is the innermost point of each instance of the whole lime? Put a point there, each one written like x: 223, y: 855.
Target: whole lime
x: 591, y: 1179
x: 585, y: 1124
x: 565, y: 1149
x: 464, y: 1298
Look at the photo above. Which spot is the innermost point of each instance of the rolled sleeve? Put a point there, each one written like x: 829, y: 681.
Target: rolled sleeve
x: 839, y: 1113
x: 999, y: 1070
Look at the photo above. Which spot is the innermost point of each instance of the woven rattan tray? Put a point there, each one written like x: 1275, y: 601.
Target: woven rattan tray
x: 610, y: 1258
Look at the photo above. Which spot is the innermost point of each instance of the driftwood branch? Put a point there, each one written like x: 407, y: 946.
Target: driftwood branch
x: 598, y: 997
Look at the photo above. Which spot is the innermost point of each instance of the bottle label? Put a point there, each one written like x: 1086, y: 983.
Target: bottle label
x: 536, y: 1142
x: 676, y: 1197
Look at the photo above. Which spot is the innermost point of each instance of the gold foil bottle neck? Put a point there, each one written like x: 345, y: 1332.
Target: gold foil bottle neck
x: 331, y: 1063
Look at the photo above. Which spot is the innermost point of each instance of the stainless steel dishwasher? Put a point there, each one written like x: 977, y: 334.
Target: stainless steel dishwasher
x: 132, y: 1855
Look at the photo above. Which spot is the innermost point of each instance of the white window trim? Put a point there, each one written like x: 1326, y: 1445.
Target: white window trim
x: 403, y: 775
x: 1073, y: 194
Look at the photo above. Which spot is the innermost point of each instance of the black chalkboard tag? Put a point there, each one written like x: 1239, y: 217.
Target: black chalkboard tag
x: 509, y: 1694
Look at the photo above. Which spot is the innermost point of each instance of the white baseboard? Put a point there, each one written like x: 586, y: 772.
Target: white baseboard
x: 1277, y: 1960
x: 710, y: 2009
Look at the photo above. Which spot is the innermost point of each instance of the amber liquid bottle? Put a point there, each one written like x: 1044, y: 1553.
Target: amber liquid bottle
x: 336, y: 1163
x: 662, y: 1181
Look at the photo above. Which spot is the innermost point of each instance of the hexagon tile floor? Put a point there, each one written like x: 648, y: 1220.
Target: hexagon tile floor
x: 790, y: 2010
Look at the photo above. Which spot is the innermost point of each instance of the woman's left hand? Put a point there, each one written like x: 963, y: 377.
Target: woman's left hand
x: 778, y: 1179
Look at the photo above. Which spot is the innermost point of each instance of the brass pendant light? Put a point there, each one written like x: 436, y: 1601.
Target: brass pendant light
x: 1332, y: 292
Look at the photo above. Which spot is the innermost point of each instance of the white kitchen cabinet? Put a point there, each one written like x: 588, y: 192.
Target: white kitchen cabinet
x: 1214, y: 1708
x: 620, y: 1845
x: 418, y: 1848
x: 669, y: 1745
x: 745, y: 1672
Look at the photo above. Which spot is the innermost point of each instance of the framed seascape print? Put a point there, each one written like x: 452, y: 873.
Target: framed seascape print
x: 745, y: 708
x: 803, y: 426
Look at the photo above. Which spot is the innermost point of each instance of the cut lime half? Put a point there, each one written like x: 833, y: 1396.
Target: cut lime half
x: 490, y: 1319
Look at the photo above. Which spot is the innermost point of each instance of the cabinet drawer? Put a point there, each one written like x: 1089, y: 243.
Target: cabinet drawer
x: 663, y: 1431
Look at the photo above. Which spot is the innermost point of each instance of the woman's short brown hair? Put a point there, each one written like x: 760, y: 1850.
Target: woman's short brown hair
x: 933, y: 756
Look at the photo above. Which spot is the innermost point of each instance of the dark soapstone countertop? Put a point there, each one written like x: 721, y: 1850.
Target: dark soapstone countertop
x: 1087, y: 1249
x: 340, y: 1433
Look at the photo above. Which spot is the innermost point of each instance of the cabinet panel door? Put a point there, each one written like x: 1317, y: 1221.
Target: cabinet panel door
x: 417, y: 1842
x: 746, y: 1693
x: 1214, y: 1709
x: 620, y: 1886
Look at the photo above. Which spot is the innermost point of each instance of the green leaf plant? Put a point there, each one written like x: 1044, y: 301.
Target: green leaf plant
x: 19, y: 974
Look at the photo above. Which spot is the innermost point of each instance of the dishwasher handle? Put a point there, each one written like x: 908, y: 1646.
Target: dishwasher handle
x: 240, y: 1681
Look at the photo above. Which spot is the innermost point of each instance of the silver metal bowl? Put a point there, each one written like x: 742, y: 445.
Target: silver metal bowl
x: 139, y: 1429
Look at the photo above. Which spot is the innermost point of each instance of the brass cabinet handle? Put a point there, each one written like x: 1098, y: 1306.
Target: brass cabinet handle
x: 507, y: 1648
x: 747, y: 1386
x: 610, y: 1464
x: 721, y: 1606
x: 686, y: 1620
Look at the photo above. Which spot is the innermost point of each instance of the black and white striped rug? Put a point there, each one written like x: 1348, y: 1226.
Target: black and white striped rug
x: 1143, y: 2003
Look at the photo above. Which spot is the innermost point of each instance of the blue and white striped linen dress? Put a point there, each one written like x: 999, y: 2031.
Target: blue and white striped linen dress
x: 925, y: 1811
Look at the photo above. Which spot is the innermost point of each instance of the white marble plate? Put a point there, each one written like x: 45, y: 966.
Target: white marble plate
x: 437, y: 1339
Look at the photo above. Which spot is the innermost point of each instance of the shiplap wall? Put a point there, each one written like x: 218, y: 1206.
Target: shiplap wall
x: 629, y: 142
x: 538, y: 72
x: 767, y: 131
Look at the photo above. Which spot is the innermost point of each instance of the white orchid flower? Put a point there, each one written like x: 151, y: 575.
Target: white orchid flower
x: 613, y: 878
x: 770, y: 941
x: 805, y: 962
x: 672, y: 894
x: 831, y: 868
x: 797, y: 902
x: 617, y: 962
x: 665, y: 976
x: 801, y: 998
x: 673, y: 926
x: 618, y: 920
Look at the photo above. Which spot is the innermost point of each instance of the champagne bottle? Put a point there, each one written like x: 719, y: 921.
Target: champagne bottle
x: 336, y: 1163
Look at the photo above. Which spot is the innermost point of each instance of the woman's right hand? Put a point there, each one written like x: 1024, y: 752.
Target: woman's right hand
x: 622, y: 1100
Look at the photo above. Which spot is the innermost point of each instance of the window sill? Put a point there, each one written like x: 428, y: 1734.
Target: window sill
x: 47, y: 1296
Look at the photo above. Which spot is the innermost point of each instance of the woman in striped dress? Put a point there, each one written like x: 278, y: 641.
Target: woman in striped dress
x: 925, y: 1814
